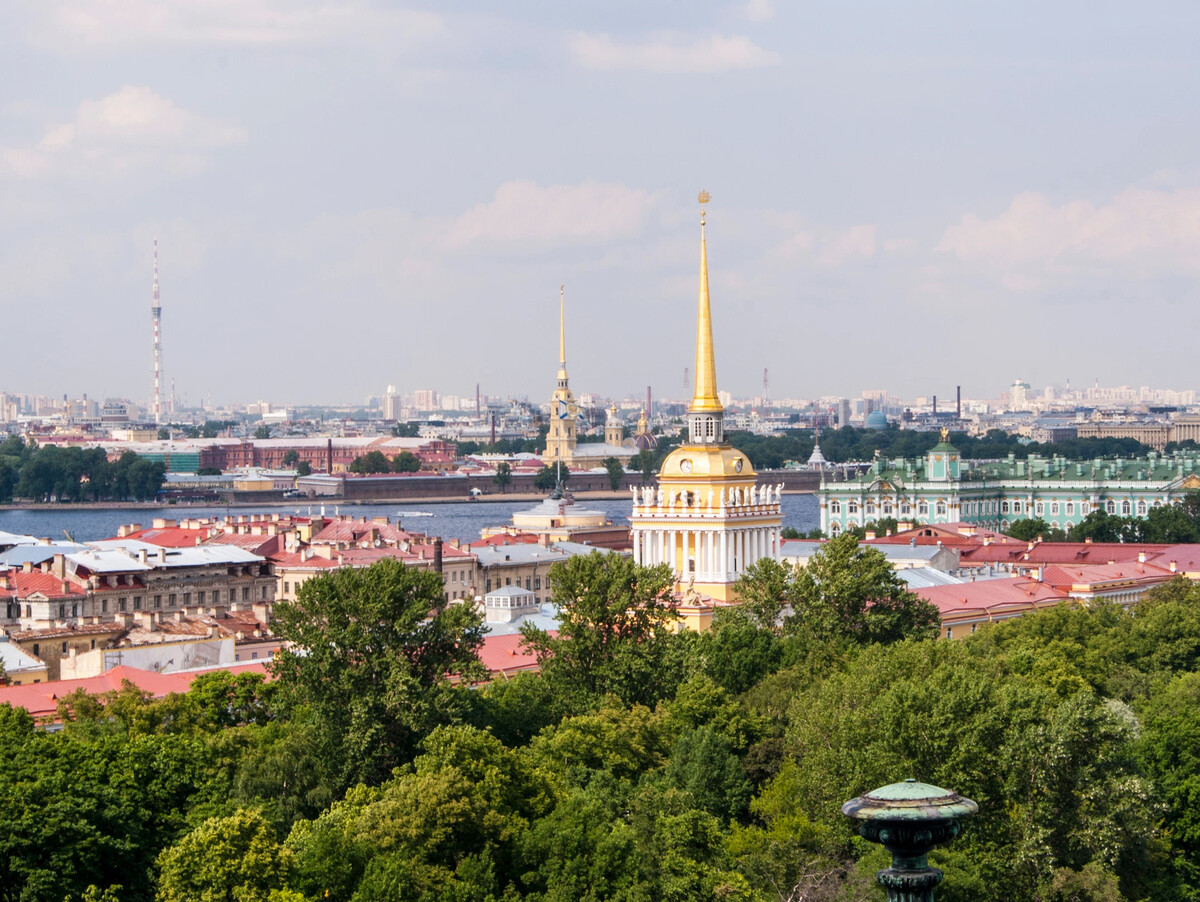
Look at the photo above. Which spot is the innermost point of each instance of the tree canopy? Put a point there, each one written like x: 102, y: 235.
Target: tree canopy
x: 641, y: 764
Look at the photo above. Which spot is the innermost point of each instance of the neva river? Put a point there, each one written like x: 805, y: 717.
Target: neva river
x: 451, y: 520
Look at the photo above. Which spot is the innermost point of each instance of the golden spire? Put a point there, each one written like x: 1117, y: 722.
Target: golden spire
x: 705, y: 395
x: 562, y: 336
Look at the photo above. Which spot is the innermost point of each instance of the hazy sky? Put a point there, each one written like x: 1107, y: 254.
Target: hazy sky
x: 346, y: 195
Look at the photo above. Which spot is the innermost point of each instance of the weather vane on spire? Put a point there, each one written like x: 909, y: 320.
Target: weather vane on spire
x: 704, y: 198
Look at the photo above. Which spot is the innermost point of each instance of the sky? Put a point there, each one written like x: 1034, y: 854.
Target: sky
x: 349, y: 195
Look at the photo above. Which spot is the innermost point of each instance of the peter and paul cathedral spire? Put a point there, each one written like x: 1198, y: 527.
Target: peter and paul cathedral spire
x: 561, y: 438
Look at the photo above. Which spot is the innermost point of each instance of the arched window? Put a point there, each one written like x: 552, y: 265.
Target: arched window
x: 709, y: 423
x: 1125, y: 508
x: 852, y: 507
x: 835, y: 507
x: 923, y: 509
x: 1141, y: 508
x: 870, y: 508
x: 1004, y: 507
x: 887, y: 508
x: 834, y: 529
x: 1110, y: 507
x: 941, y: 508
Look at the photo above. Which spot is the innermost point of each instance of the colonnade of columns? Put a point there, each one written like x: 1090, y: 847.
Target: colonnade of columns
x: 706, y: 555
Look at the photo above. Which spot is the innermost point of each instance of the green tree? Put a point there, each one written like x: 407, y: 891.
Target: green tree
x: 291, y: 458
x: 406, y: 462
x: 616, y: 472
x: 164, y: 433
x: 503, y: 477
x: 263, y: 431
x: 548, y: 477
x: 372, y: 651
x: 304, y: 468
x: 225, y: 859
x: 371, y: 462
x: 406, y: 430
x: 646, y: 463
x: 850, y: 591
x: 1032, y: 529
x: 614, y: 633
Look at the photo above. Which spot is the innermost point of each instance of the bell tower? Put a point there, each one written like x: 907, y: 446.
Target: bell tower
x: 560, y: 440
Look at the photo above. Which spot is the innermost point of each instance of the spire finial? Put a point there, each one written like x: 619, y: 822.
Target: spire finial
x: 705, y: 395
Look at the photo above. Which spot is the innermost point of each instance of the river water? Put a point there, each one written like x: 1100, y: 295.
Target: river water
x: 451, y: 520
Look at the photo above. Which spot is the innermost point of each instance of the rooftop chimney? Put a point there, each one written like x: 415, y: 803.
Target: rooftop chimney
x: 437, y: 554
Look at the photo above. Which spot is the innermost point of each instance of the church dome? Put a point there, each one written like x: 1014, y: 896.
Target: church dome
x: 876, y: 419
x: 645, y: 441
x: 701, y: 461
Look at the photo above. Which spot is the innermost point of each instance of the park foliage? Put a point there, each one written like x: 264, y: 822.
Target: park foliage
x: 643, y: 763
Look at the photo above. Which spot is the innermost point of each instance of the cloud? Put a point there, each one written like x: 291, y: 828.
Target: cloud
x: 234, y: 22
x: 759, y: 10
x: 831, y: 249
x: 1141, y: 229
x: 130, y: 130
x: 525, y: 213
x: 669, y: 54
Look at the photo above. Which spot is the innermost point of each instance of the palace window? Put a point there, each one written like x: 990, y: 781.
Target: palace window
x: 1070, y: 508
x: 1141, y: 508
x: 870, y: 508
x: 1125, y: 508
x: 835, y: 507
x: 887, y: 508
x: 923, y: 509
x: 852, y: 507
x: 1040, y: 508
x: 1004, y: 507
x: 941, y: 508
x: 1110, y: 507
x: 905, y: 508
x: 1054, y: 508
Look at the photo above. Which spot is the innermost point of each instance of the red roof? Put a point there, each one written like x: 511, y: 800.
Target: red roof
x: 506, y: 538
x: 170, y: 536
x: 41, y: 699
x: 991, y: 596
x: 1097, y: 575
x: 22, y: 585
x: 504, y: 656
x: 1062, y: 552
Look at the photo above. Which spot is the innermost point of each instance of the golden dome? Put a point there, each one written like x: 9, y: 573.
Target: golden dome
x: 705, y: 462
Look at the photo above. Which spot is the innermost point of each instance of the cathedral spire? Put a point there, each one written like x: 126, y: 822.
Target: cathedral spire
x: 705, y: 396
x: 562, y: 339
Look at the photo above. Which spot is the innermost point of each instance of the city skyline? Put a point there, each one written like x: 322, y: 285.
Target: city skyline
x: 399, y: 193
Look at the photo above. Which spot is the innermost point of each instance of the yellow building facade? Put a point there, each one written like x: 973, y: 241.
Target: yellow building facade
x: 708, y: 518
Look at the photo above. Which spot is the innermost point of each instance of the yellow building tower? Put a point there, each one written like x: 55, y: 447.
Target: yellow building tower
x: 708, y: 518
x: 560, y: 440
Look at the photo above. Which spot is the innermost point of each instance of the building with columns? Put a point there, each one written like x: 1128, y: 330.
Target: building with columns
x: 943, y: 488
x: 708, y: 519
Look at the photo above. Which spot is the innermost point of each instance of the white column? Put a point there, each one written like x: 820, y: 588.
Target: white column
x: 637, y: 546
x: 753, y: 556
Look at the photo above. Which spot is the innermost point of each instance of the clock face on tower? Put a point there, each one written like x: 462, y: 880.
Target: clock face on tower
x: 737, y: 465
x: 685, y: 465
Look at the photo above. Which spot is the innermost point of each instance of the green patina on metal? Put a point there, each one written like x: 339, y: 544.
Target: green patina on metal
x: 909, y: 819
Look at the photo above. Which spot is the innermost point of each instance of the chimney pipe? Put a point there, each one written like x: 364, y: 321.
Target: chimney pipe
x: 437, y: 554
x: 958, y: 402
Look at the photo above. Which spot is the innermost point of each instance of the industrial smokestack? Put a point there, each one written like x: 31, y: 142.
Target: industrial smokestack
x: 437, y: 554
x: 649, y: 405
x: 935, y: 407
x: 958, y: 402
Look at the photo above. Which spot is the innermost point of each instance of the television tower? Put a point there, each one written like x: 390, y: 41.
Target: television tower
x: 156, y: 312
